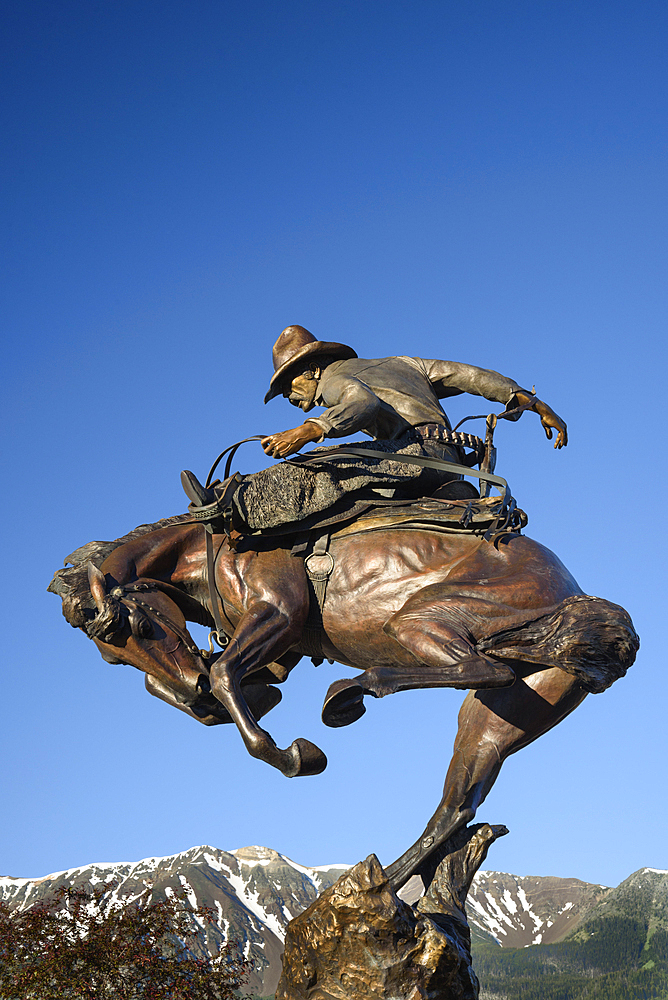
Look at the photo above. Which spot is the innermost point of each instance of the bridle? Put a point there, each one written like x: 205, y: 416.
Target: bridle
x: 128, y: 595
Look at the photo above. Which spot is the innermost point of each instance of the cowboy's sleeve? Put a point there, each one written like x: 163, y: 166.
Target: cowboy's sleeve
x: 351, y: 406
x: 450, y: 378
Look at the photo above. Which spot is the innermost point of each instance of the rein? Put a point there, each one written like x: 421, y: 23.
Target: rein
x: 233, y: 448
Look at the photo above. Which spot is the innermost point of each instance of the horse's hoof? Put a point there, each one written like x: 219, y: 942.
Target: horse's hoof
x: 344, y: 703
x: 305, y: 758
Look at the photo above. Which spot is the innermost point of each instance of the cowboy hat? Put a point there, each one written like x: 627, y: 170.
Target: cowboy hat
x: 292, y: 347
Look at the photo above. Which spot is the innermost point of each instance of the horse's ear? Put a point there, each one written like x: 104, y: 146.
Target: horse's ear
x: 98, y: 586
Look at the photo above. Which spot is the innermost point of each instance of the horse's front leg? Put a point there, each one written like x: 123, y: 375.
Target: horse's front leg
x: 263, y: 634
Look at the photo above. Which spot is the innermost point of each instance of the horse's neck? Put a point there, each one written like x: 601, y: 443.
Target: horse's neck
x: 168, y: 555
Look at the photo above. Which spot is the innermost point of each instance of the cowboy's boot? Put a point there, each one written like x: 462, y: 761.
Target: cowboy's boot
x: 211, y: 505
x: 199, y: 496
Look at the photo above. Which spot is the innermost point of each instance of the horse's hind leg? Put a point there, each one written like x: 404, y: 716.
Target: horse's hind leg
x: 472, y: 772
x: 434, y: 629
x: 492, y: 726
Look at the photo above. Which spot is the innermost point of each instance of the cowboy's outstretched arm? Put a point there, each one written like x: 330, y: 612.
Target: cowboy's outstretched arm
x: 449, y: 378
x: 290, y: 442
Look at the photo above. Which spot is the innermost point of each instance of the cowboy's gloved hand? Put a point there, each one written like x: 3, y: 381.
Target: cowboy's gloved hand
x: 290, y: 442
x: 548, y: 418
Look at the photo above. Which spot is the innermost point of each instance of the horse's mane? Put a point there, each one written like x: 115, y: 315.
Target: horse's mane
x: 71, y: 583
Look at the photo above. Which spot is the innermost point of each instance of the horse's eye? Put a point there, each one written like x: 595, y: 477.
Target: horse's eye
x: 141, y: 624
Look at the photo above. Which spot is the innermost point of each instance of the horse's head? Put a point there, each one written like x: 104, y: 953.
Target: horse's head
x: 136, y: 623
x: 114, y: 617
x: 139, y: 624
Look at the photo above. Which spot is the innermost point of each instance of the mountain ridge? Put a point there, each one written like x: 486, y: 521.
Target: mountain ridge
x: 253, y: 892
x: 522, y: 927
x: 617, y: 950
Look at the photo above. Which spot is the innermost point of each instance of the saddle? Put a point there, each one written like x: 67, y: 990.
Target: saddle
x: 475, y: 516
x: 489, y: 516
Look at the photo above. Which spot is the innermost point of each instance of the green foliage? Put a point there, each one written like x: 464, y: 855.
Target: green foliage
x: 611, y: 958
x: 80, y: 945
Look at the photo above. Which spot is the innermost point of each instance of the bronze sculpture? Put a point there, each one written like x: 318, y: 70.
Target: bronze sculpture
x: 393, y: 400
x: 414, y: 591
x: 305, y: 371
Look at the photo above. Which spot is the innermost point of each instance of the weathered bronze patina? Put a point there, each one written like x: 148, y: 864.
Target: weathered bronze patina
x: 396, y: 574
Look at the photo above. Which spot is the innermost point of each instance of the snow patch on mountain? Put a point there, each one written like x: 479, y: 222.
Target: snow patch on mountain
x: 519, y: 911
x: 254, y: 892
x: 251, y: 902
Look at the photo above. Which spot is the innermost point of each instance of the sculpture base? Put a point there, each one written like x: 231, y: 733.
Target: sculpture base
x: 360, y: 941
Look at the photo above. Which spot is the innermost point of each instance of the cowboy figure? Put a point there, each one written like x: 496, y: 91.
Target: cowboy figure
x: 394, y: 400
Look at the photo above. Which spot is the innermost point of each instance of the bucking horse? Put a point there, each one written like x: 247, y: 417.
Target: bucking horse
x: 435, y: 593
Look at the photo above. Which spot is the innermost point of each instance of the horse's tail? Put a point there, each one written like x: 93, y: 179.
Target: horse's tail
x: 588, y: 637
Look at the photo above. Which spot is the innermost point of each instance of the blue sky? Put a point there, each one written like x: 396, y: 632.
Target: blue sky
x: 482, y: 182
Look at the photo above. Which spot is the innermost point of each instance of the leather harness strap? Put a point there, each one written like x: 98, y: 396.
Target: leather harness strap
x: 219, y: 633
x: 319, y: 565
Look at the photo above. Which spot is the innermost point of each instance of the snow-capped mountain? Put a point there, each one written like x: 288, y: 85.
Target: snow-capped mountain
x: 619, y: 948
x: 521, y: 910
x: 254, y: 892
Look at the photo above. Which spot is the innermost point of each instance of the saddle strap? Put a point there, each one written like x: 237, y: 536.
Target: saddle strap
x: 220, y: 635
x: 318, y: 565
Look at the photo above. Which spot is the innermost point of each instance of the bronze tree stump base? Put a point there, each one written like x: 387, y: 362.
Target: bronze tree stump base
x: 360, y: 941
